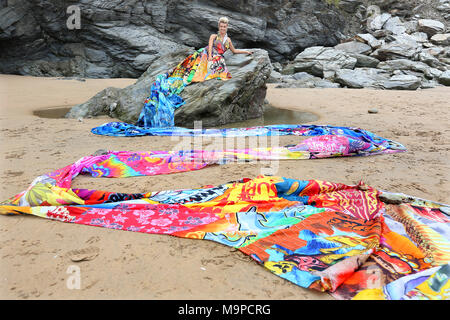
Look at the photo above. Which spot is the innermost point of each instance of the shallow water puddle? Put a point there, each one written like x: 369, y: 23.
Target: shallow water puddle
x: 271, y: 116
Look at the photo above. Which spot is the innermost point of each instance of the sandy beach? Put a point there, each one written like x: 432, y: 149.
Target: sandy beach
x: 36, y: 253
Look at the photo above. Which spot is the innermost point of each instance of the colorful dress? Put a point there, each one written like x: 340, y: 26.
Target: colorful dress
x: 217, y: 68
x: 164, y: 98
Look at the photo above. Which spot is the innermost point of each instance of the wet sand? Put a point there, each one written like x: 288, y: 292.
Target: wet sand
x: 36, y: 253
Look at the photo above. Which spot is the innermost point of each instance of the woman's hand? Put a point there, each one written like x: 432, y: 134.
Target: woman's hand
x: 250, y: 52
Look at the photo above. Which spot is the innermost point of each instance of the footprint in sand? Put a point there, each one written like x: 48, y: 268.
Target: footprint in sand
x: 10, y: 173
x: 15, y: 155
x: 93, y: 239
x: 85, y: 254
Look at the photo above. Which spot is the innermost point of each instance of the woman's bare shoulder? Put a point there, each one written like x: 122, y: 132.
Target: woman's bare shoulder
x: 213, y: 36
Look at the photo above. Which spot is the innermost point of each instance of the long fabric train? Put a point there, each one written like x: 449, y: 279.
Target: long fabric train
x: 317, y: 234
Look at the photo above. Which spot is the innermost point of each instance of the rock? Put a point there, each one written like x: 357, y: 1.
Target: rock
x: 364, y: 61
x: 428, y: 84
x: 214, y: 102
x: 277, y: 66
x: 142, y: 61
x: 372, y: 111
x: 395, y: 25
x: 132, y: 34
x: 305, y: 80
x: 121, y: 38
x: 361, y: 77
x: 288, y: 69
x: 432, y: 73
x: 302, y: 76
x: 354, y: 47
x: 275, y: 77
x: 403, y: 64
x: 427, y: 45
x: 408, y: 73
x: 441, y: 39
x: 395, y: 50
x: 370, y: 40
x: 381, y: 33
x: 349, y: 6
x: 430, y: 60
x: 96, y: 106
x: 407, y: 39
x: 419, y: 37
x: 402, y: 82
x: 9, y: 16
x: 323, y: 61
x: 431, y: 27
x: 312, y: 67
x: 411, y: 26
x: 437, y: 51
x: 324, y: 83
x: 446, y: 61
x: 298, y: 80
x: 378, y: 21
x: 93, y: 55
x: 444, y: 78
x: 310, y: 53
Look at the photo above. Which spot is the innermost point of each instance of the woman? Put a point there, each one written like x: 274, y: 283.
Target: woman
x: 204, y: 64
x: 218, y: 45
x: 208, y: 62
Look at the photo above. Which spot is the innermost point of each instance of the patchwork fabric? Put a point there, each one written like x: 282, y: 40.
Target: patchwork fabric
x: 327, y: 236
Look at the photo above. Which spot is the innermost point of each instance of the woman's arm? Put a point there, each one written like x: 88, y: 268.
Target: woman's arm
x: 236, y: 51
x: 211, y: 40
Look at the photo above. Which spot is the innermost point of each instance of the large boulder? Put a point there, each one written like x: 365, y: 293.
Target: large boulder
x: 362, y: 77
x: 323, y: 61
x: 304, y: 80
x: 396, y: 50
x: 215, y: 102
x: 402, y: 82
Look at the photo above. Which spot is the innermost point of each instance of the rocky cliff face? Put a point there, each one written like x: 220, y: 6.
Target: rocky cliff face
x: 120, y: 38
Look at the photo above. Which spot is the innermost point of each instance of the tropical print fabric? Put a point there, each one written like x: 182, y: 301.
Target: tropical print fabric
x: 324, y: 142
x: 343, y: 239
x: 430, y: 284
x: 164, y: 99
x: 327, y: 141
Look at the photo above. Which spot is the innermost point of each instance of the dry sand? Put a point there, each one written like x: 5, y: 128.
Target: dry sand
x: 36, y: 253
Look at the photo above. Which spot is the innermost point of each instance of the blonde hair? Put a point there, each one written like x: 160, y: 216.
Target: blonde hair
x: 223, y: 20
